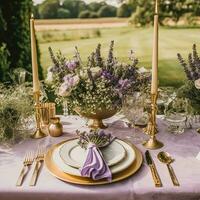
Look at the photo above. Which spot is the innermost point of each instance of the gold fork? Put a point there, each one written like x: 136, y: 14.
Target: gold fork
x: 39, y: 160
x: 28, y: 160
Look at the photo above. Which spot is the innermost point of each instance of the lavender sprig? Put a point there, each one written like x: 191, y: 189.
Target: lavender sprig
x: 99, y: 60
x: 184, y: 65
x: 53, y: 58
x: 192, y: 69
x: 97, y: 137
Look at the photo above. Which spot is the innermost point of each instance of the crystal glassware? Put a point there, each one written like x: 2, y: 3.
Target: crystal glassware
x: 176, y: 123
x: 176, y: 115
x: 133, y: 109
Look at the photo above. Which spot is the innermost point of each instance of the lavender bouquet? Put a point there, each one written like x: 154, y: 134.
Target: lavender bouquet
x: 191, y: 89
x: 100, y: 84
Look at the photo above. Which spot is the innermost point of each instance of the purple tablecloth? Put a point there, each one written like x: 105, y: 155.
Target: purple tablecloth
x: 184, y: 148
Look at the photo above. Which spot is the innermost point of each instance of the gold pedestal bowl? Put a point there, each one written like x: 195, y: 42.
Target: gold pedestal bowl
x: 95, y: 118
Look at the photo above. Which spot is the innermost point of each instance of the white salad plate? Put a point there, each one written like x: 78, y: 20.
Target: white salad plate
x: 72, y: 154
x: 124, y: 164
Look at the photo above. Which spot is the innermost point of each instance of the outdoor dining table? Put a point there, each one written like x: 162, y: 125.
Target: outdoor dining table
x: 183, y: 148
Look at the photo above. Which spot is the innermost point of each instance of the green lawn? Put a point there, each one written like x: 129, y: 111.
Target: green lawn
x: 171, y: 42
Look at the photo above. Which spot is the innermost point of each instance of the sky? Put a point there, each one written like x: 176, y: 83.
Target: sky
x: 113, y: 2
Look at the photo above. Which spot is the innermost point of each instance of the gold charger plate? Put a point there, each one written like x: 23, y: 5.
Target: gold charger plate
x: 55, y: 171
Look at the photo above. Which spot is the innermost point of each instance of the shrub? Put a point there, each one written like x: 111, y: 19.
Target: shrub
x: 107, y: 11
x: 124, y: 10
x: 63, y: 13
x: 4, y: 62
x: 93, y: 15
x: 97, y: 33
x: 48, y: 9
x: 84, y: 14
x: 16, y: 35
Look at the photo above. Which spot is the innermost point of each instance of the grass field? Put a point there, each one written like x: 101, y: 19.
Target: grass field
x: 171, y: 42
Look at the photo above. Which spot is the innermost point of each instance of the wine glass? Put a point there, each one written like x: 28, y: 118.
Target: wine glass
x: 133, y: 109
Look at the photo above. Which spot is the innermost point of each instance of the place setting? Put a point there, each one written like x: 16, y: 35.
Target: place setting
x: 97, y: 124
x: 95, y: 156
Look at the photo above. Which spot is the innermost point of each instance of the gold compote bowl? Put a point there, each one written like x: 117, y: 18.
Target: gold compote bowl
x: 95, y: 118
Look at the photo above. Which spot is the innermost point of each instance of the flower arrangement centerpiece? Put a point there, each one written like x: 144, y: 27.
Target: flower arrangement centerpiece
x: 191, y: 89
x: 95, y: 89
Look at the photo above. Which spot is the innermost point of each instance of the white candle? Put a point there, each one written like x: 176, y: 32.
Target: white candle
x: 36, y: 84
x: 154, y: 83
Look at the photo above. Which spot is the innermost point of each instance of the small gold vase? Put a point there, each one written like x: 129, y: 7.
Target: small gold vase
x: 55, y: 127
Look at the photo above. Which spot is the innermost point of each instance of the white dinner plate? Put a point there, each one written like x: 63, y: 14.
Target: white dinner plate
x: 72, y: 154
x: 125, y: 163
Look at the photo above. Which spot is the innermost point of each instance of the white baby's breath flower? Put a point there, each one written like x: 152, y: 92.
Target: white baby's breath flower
x: 197, y: 83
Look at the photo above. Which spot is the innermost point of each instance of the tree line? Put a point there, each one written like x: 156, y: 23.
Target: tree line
x: 15, y: 46
x: 55, y: 9
x: 141, y: 11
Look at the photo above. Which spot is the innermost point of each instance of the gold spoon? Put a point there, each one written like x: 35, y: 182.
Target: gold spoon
x: 165, y: 157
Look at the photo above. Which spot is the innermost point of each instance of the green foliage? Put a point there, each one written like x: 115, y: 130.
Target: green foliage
x: 63, y: 13
x: 16, y: 34
x: 107, y: 11
x: 84, y: 14
x: 190, y: 92
x: 94, y: 15
x: 95, y: 6
x: 16, y: 107
x: 75, y: 7
x: 4, y: 62
x: 48, y: 9
x: 124, y: 10
x: 173, y: 10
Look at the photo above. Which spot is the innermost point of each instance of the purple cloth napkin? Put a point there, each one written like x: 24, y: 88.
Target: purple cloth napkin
x: 95, y: 166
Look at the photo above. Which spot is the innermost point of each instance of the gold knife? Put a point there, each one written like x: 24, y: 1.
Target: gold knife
x: 153, y: 169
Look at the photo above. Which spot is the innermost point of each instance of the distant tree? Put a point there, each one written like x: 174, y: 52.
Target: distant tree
x: 75, y: 7
x: 48, y: 9
x: 107, y: 11
x: 63, y: 13
x: 36, y: 11
x: 16, y: 35
x: 124, y: 10
x: 4, y: 63
x: 2, y: 26
x: 95, y: 6
x: 94, y: 15
x: 84, y: 14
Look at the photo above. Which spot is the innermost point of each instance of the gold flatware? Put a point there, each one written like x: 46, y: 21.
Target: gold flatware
x: 154, y: 172
x: 165, y: 157
x: 39, y: 160
x: 28, y: 160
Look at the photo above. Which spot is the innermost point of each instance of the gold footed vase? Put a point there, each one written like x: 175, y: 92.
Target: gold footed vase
x: 96, y: 118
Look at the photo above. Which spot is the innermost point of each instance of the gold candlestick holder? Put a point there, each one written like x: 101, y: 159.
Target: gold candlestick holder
x: 38, y: 133
x: 151, y: 128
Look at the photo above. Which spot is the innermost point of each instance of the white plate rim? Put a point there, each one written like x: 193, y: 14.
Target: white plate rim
x: 124, y: 164
x: 73, y: 144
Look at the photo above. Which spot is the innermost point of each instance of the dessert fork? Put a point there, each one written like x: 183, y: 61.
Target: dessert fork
x: 28, y: 160
x: 39, y: 160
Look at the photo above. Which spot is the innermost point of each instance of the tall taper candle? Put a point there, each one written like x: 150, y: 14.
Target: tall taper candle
x: 154, y: 83
x: 36, y: 84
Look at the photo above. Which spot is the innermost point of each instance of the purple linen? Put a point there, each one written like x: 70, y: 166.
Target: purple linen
x: 95, y: 165
x: 183, y: 149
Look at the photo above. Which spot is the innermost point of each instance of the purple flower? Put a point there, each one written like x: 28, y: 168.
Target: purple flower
x: 101, y: 133
x: 69, y: 83
x: 106, y: 74
x: 72, y: 65
x: 123, y: 84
